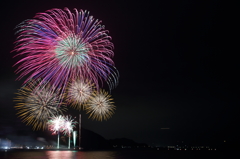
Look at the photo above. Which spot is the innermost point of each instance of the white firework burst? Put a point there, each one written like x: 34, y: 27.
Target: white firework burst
x: 100, y: 106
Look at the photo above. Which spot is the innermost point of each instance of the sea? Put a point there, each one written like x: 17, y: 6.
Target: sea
x: 119, y: 154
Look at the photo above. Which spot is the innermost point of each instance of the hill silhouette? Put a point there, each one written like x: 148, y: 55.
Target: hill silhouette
x: 89, y: 139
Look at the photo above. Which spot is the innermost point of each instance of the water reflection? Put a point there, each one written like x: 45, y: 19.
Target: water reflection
x: 39, y: 154
x: 60, y: 154
x: 80, y: 154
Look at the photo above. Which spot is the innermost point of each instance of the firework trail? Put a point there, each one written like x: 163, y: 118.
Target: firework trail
x: 78, y: 93
x: 69, y: 124
x: 37, y: 102
x: 61, y: 46
x: 100, y: 106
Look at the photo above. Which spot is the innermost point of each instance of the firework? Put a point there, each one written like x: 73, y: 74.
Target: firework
x: 56, y: 124
x: 37, y: 102
x: 79, y: 93
x: 100, y: 106
x: 59, y: 47
x: 68, y: 125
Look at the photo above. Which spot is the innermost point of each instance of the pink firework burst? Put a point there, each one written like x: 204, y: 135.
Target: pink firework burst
x: 61, y: 46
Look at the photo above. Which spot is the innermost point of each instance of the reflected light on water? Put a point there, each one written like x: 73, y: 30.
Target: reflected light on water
x: 80, y: 155
x: 60, y: 154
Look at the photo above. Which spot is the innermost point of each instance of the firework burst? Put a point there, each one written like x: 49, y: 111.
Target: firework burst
x: 60, y: 46
x: 100, y: 106
x: 68, y: 125
x: 78, y: 93
x: 55, y: 124
x: 36, y: 103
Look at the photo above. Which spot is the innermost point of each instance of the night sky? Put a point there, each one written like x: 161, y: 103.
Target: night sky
x: 178, y: 68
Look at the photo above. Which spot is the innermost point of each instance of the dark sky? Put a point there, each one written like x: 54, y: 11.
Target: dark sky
x: 178, y: 68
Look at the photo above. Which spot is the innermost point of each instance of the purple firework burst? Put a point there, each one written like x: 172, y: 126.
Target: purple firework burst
x: 60, y: 46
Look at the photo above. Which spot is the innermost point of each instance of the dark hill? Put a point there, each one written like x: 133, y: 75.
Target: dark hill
x: 91, y: 140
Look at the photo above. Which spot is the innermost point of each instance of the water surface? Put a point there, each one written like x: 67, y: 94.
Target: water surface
x: 122, y: 154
